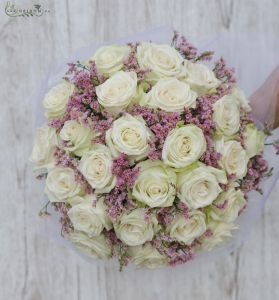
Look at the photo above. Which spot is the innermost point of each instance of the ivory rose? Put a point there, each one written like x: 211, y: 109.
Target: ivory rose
x: 61, y: 184
x: 90, y: 219
x: 234, y: 158
x: 186, y: 230
x: 77, y: 137
x: 109, y: 59
x: 147, y: 256
x: 199, y: 187
x: 44, y: 146
x: 171, y: 95
x: 227, y: 206
x: 95, y: 247
x: 96, y: 165
x: 118, y: 91
x: 155, y: 185
x: 221, y: 232
x: 226, y: 115
x: 162, y: 60
x: 200, y: 78
x: 253, y: 140
x: 183, y: 146
x: 55, y: 101
x: 134, y: 229
x: 129, y: 135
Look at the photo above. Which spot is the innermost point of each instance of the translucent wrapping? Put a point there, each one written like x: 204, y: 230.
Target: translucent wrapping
x: 253, y: 63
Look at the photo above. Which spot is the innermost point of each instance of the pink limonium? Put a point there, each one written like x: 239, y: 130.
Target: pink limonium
x: 126, y: 175
x: 64, y: 159
x: 117, y: 202
x: 226, y: 75
x: 176, y: 253
x: 165, y: 215
x: 148, y: 114
x: 222, y: 205
x: 202, y: 117
x: 166, y: 122
x: 257, y: 170
x: 64, y: 220
x: 131, y: 63
x: 184, y: 209
x: 186, y: 49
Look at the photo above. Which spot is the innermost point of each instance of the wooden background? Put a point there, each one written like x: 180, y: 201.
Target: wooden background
x: 33, y: 268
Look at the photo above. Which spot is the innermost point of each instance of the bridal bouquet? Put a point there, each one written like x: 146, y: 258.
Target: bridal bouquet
x: 148, y: 154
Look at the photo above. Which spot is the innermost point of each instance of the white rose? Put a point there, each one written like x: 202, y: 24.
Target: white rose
x: 155, y: 185
x: 55, y: 101
x: 234, y: 158
x: 147, y: 256
x: 95, y: 247
x: 61, y: 184
x: 89, y: 219
x: 221, y: 233
x: 78, y: 199
x: 183, y: 146
x: 199, y: 187
x: 134, y: 229
x: 43, y: 149
x: 109, y: 59
x: 200, y: 78
x: 187, y: 230
x: 78, y: 138
x: 171, y: 95
x: 162, y: 60
x: 96, y: 167
x: 253, y: 140
x: 227, y: 206
x: 226, y: 115
x: 240, y: 97
x: 118, y: 91
x: 129, y: 135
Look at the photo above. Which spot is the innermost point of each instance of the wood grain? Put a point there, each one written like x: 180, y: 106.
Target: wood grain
x: 33, y: 268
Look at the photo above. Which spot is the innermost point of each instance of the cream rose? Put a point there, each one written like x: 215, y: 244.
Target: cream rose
x: 162, y: 60
x: 183, y: 146
x: 234, y: 158
x: 78, y: 138
x: 226, y: 115
x: 109, y: 59
x: 253, y: 140
x: 155, y: 185
x: 118, y: 91
x: 171, y: 95
x: 240, y: 97
x: 96, y: 166
x: 43, y: 149
x: 95, y: 247
x: 227, y: 206
x: 199, y: 187
x: 134, y: 229
x: 147, y: 256
x: 81, y: 199
x: 90, y: 219
x: 220, y: 233
x: 61, y: 184
x: 55, y: 101
x: 187, y: 230
x: 200, y: 78
x: 129, y: 135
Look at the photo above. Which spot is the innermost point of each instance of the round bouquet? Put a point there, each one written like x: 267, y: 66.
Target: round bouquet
x: 148, y: 154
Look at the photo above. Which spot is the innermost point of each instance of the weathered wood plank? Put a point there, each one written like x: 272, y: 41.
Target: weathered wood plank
x: 33, y: 268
